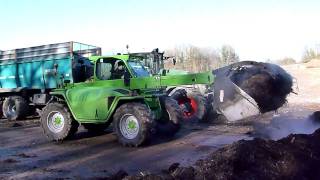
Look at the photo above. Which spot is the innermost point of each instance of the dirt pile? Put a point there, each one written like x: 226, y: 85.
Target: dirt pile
x: 314, y: 63
x: 315, y: 117
x: 268, y: 84
x: 293, y: 157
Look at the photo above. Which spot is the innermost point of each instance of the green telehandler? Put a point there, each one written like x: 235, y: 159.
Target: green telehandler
x: 122, y: 92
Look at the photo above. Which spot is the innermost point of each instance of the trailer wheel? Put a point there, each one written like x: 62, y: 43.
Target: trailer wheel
x: 133, y: 124
x: 169, y: 124
x: 57, y: 122
x: 96, y: 128
x: 15, y: 107
x: 1, y: 111
x: 193, y: 105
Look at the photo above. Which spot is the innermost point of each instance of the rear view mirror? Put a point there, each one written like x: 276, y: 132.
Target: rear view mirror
x: 164, y: 72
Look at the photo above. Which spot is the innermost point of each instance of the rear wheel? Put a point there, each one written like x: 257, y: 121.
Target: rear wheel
x: 133, y: 124
x: 15, y: 107
x: 170, y: 121
x: 1, y: 109
x: 57, y: 122
x: 193, y: 105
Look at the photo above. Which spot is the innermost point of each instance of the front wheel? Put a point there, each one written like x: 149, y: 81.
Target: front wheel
x: 57, y: 122
x: 133, y: 124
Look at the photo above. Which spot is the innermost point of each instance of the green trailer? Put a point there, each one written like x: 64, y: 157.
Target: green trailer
x: 27, y: 75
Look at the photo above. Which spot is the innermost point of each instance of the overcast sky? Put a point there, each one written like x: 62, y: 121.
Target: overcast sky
x: 258, y: 30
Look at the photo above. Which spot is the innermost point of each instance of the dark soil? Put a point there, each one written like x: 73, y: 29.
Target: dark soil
x: 23, y: 155
x: 268, y: 84
x: 9, y: 161
x: 293, y: 157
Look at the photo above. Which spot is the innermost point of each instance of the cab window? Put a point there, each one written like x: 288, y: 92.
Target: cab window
x: 110, y: 69
x: 104, y: 70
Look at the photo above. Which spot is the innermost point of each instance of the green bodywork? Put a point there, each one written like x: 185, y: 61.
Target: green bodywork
x: 95, y: 100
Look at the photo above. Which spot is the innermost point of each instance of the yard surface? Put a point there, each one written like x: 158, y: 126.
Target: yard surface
x: 26, y: 153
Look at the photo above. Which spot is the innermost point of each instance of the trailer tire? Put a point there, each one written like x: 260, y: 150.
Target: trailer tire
x: 193, y: 105
x: 57, y: 122
x: 169, y: 124
x: 133, y: 123
x: 96, y: 128
x: 1, y: 109
x: 15, y: 107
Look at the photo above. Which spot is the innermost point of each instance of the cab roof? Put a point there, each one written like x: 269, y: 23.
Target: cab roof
x: 123, y: 57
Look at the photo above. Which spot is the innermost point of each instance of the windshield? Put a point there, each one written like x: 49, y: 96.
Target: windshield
x: 138, y: 69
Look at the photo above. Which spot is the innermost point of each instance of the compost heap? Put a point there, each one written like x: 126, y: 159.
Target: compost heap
x: 268, y: 84
x: 294, y: 157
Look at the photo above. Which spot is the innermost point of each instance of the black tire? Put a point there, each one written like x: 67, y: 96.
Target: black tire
x: 96, y: 128
x: 15, y: 107
x: 143, y: 117
x: 1, y: 107
x: 169, y: 124
x: 67, y: 129
x: 193, y: 104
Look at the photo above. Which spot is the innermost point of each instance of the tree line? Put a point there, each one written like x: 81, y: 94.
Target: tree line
x: 196, y: 59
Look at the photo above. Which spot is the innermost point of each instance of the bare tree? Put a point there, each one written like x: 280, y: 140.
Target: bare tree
x: 310, y: 53
x: 228, y: 55
x: 196, y: 59
x: 286, y: 61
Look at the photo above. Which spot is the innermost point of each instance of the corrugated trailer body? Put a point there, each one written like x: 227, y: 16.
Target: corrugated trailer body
x: 28, y: 74
x: 38, y: 67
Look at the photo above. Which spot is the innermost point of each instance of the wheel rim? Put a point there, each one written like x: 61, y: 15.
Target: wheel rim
x: 55, y: 121
x: 12, y: 110
x: 189, y: 106
x: 129, y: 126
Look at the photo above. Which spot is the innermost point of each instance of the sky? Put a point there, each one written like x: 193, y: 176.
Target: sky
x: 257, y: 29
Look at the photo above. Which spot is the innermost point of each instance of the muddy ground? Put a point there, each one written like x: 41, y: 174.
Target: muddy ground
x: 26, y: 153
